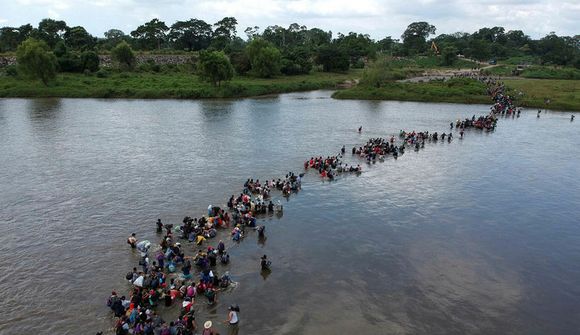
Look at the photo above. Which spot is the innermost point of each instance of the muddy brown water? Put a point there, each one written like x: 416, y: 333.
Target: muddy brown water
x: 476, y: 236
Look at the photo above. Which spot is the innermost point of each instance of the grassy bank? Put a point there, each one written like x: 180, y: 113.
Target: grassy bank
x: 164, y: 85
x: 563, y: 94
x: 455, y: 91
x: 536, y: 72
x: 429, y: 62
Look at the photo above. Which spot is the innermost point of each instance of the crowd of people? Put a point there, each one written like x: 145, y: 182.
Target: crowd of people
x: 168, y: 276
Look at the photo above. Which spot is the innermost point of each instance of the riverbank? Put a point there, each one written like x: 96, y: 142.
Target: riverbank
x: 145, y: 85
x: 453, y: 91
x: 546, y: 93
x: 561, y: 94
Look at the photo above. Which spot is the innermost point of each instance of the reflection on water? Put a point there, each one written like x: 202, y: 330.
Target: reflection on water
x: 476, y: 236
x: 47, y: 109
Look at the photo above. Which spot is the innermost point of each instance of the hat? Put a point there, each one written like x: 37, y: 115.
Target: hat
x: 207, y: 325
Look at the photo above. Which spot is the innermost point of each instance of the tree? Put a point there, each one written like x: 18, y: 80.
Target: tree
x: 332, y: 58
x: 112, y: 38
x: 36, y: 61
x: 252, y: 32
x: 78, y: 38
x: 557, y: 50
x: 10, y: 37
x: 115, y: 35
x: 124, y: 55
x: 357, y: 45
x: 224, y: 32
x: 516, y: 39
x: 316, y: 37
x: 68, y: 61
x: 90, y: 61
x: 264, y: 57
x: 237, y: 44
x: 296, y: 61
x: 478, y: 49
x: 492, y: 35
x: 296, y: 35
x: 448, y: 56
x: 190, y: 35
x: 386, y: 44
x: 215, y: 67
x: 378, y: 73
x: 50, y: 31
x: 275, y: 35
x: 415, y: 37
x: 240, y: 62
x: 151, y: 34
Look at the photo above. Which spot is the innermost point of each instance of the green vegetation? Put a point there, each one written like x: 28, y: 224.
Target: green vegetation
x: 215, y: 67
x: 265, y: 58
x: 418, y: 64
x: 415, y: 37
x: 36, y: 61
x: 562, y: 94
x: 535, y: 71
x: 165, y: 84
x: 454, y: 90
x: 333, y: 58
x: 500, y: 70
x: 285, y: 58
x: 384, y: 70
x: 123, y: 55
x: 540, y: 72
x: 196, y: 35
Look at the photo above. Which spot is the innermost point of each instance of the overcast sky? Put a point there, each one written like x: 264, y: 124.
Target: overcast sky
x: 378, y: 18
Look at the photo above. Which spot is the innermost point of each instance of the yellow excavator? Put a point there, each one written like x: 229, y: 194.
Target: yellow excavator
x: 434, y: 47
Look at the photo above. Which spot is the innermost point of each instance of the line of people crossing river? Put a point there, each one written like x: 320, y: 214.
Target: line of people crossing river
x: 190, y: 265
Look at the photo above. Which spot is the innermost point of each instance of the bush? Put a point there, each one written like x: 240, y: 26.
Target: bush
x: 296, y: 61
x: 359, y: 64
x: 70, y: 62
x: 264, y: 57
x: 332, y: 58
x: 215, y: 67
x: 167, y: 68
x: 102, y: 73
x: 290, y: 68
x: 241, y: 62
x: 90, y: 61
x: 124, y: 56
x: 35, y: 60
x: 11, y: 70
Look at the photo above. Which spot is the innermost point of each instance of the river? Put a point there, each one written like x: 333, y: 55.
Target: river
x: 476, y: 236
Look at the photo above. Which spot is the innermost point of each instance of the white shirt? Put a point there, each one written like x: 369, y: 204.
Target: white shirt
x: 234, y: 318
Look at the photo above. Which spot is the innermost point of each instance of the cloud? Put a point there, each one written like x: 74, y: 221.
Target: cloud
x: 378, y: 18
x: 57, y: 4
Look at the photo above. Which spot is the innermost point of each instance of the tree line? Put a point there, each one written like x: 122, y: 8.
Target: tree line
x: 280, y: 50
